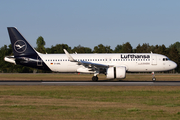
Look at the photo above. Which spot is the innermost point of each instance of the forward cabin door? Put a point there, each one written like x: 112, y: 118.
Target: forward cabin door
x: 153, y: 60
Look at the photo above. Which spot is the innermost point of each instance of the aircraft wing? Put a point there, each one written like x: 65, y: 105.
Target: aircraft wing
x: 85, y: 63
x: 91, y: 65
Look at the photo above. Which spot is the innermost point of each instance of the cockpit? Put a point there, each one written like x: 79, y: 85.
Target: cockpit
x: 166, y: 59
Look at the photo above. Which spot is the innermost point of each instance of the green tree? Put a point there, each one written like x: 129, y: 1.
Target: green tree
x: 118, y: 49
x: 58, y: 48
x: 102, y: 49
x: 127, y: 48
x: 162, y: 50
x: 173, y: 54
x: 145, y: 48
x: 81, y: 49
x: 40, y: 45
x: 176, y: 45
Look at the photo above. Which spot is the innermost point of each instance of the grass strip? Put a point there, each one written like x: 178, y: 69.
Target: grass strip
x: 89, y: 102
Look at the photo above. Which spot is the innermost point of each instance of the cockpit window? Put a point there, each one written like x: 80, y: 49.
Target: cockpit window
x: 166, y: 59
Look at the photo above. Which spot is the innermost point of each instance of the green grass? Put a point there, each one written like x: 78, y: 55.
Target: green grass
x: 92, y: 102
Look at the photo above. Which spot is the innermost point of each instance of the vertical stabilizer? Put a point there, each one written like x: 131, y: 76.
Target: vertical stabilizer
x: 19, y: 44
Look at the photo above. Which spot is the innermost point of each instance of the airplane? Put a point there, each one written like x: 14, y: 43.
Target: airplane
x: 113, y: 65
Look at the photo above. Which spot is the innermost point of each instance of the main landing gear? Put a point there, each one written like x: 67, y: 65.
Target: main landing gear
x: 95, y: 78
x: 153, y: 77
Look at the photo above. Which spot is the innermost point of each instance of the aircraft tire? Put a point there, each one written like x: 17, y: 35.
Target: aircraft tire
x: 94, y: 78
x: 154, y: 79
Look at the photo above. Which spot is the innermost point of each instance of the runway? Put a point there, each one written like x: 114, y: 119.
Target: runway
x: 78, y: 83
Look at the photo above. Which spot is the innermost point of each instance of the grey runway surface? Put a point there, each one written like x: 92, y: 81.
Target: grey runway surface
x: 78, y: 83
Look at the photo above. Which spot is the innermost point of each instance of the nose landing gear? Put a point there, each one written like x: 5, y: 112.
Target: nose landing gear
x: 153, y: 77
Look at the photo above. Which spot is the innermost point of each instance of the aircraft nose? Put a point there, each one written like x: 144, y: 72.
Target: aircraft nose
x: 173, y: 65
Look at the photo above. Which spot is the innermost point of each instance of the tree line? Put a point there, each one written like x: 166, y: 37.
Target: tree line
x: 172, y: 52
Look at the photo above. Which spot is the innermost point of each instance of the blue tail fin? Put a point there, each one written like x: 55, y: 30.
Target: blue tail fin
x: 19, y: 44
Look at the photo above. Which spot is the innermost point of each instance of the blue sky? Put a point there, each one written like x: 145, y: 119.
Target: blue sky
x: 92, y: 22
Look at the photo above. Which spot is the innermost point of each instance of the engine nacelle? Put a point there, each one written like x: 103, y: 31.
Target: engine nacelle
x: 116, y: 72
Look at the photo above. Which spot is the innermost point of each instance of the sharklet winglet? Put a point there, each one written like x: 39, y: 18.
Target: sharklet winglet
x: 69, y: 56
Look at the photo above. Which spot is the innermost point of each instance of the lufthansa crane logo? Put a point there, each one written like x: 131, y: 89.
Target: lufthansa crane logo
x: 20, y: 46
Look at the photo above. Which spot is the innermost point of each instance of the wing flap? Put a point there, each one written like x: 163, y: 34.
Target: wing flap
x: 92, y: 65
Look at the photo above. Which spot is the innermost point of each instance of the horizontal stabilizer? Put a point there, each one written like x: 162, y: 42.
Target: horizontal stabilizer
x: 10, y: 59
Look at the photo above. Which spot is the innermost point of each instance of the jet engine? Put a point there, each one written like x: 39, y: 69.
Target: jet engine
x: 116, y: 72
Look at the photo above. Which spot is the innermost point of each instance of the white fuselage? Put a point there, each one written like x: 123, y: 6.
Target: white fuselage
x: 134, y: 62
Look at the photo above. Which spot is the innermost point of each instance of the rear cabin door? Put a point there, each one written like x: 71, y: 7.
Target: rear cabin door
x: 39, y: 61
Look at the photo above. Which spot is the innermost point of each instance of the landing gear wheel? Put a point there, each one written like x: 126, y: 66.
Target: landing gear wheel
x: 153, y: 79
x: 94, y: 78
